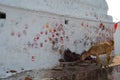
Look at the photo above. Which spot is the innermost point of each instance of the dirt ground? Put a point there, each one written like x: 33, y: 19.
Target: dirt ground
x: 115, y: 61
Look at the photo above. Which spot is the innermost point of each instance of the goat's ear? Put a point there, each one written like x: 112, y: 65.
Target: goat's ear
x: 111, y: 42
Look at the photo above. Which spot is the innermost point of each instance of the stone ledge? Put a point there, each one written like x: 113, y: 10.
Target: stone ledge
x: 77, y: 72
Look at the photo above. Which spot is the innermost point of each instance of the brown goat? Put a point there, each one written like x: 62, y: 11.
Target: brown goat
x: 100, y: 49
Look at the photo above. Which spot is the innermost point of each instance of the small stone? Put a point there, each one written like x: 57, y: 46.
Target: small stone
x: 27, y: 78
x: 13, y: 71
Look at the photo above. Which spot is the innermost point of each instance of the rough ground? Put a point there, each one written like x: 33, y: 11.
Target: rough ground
x: 116, y: 61
x: 73, y: 71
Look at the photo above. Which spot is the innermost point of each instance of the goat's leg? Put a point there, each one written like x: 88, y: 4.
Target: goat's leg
x: 98, y: 60
x: 108, y: 59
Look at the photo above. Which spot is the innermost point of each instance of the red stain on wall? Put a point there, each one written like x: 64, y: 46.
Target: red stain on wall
x: 46, y: 33
x: 36, y: 38
x: 57, y: 34
x: 50, y: 39
x: 82, y: 24
x: 54, y: 30
x: 19, y: 34
x: 33, y: 58
x: 53, y: 35
x: 53, y: 43
x: 41, y: 32
x: 115, y: 26
x: 45, y: 40
x: 41, y: 44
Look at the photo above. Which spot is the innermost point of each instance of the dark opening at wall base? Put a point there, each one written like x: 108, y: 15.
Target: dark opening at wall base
x: 2, y: 15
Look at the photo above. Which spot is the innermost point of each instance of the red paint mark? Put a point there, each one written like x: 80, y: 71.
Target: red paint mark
x: 57, y: 34
x: 41, y: 32
x: 46, y: 33
x: 12, y: 33
x: 45, y: 40
x: 53, y: 35
x: 101, y: 26
x: 82, y: 24
x: 41, y: 44
x: 19, y: 34
x: 53, y: 43
x: 115, y: 26
x: 50, y: 39
x: 37, y: 38
x: 54, y: 30
x: 33, y: 58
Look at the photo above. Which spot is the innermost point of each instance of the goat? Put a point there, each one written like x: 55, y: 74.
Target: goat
x: 100, y: 49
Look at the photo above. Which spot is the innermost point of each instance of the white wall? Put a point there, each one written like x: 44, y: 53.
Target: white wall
x: 90, y: 9
x: 27, y: 36
x: 117, y: 38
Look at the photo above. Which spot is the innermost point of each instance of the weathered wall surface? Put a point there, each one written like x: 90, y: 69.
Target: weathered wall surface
x: 90, y: 9
x: 31, y: 39
x: 70, y: 73
x: 117, y: 39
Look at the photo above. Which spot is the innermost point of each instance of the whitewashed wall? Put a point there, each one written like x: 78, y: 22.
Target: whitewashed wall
x: 32, y: 39
x: 90, y: 9
x: 117, y: 40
